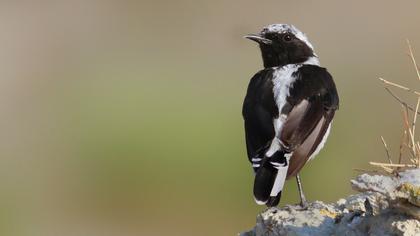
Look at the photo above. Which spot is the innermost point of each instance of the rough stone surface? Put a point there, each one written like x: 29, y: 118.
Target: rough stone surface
x: 386, y: 205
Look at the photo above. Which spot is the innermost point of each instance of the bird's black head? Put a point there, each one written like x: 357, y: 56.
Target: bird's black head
x: 283, y: 44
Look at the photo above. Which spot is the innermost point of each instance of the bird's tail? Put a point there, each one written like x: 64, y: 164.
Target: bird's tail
x: 270, y: 178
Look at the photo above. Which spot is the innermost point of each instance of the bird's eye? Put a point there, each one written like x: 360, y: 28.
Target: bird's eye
x: 287, y: 38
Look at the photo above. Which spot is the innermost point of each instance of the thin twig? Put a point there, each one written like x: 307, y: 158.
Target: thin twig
x: 405, y: 117
x: 413, y: 143
x: 390, y: 165
x: 386, y: 149
x: 418, y: 159
x: 387, y: 169
x: 408, y: 144
x: 399, y: 86
x: 399, y: 100
x: 408, y: 140
x: 411, y: 54
x: 403, y: 138
x: 415, y: 116
x: 412, y: 156
x: 364, y: 170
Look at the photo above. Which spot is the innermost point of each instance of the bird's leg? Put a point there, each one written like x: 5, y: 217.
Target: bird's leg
x: 303, y: 202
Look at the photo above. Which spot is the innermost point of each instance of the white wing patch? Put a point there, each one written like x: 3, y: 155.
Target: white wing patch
x: 321, y: 144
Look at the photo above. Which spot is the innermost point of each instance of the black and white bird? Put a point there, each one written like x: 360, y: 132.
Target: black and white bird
x: 287, y: 110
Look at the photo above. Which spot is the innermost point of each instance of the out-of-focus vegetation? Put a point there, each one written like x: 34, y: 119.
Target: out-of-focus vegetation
x: 124, y: 117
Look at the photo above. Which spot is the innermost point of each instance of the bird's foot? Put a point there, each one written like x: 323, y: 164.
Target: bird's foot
x: 303, y: 206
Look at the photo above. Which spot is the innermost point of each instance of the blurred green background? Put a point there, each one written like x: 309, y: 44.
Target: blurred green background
x: 124, y: 117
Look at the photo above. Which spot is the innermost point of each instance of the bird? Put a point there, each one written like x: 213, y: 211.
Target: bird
x: 287, y: 111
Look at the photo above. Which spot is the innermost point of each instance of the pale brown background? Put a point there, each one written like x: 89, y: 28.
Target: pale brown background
x: 124, y: 117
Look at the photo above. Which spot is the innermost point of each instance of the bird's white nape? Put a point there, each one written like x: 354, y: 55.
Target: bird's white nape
x: 312, y: 61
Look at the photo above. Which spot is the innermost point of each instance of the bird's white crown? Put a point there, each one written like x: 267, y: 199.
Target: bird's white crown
x: 285, y: 28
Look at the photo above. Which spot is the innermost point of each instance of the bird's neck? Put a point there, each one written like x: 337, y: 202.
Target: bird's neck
x: 314, y: 60
x: 273, y: 61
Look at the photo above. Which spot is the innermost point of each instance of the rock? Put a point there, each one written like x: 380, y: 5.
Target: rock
x: 375, y: 183
x: 409, y: 227
x: 409, y: 192
x: 386, y: 205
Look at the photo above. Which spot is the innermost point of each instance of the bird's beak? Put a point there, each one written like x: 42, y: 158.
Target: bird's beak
x: 258, y: 38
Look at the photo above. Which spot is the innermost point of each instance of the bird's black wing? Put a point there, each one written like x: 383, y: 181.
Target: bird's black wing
x: 310, y: 107
x: 259, y: 110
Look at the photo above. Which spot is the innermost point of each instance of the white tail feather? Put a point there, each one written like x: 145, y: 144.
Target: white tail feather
x: 279, y: 181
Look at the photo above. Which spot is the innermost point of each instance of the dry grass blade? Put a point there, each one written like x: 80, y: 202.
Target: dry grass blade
x: 365, y: 170
x: 411, y: 143
x: 413, y: 59
x: 417, y: 160
x: 415, y: 116
x: 400, y: 100
x: 408, y: 140
x: 391, y: 168
x: 403, y: 139
x: 390, y: 165
x: 387, y: 150
x: 405, y: 118
x: 387, y: 169
x: 399, y: 86
x: 412, y: 157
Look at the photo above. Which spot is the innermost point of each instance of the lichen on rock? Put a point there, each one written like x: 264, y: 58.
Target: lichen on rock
x: 386, y: 205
